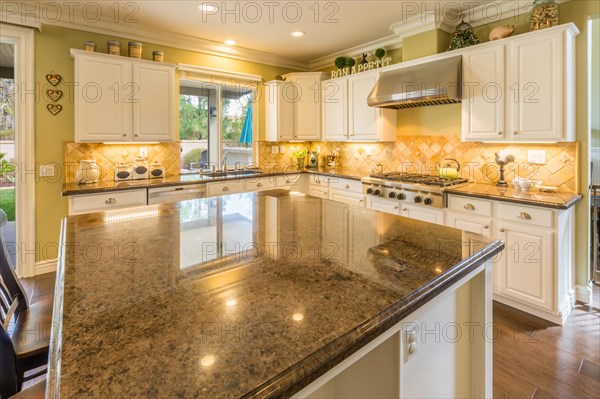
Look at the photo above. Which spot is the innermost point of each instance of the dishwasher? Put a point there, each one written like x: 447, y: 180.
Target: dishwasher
x: 163, y: 195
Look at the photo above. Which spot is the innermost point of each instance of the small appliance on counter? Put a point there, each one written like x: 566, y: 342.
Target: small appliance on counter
x: 88, y: 172
x: 332, y: 161
x: 123, y: 171
x: 313, y: 160
x: 140, y: 169
x: 157, y: 171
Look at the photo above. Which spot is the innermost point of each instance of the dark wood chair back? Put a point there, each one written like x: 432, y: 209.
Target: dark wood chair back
x: 9, y: 276
x: 8, y: 366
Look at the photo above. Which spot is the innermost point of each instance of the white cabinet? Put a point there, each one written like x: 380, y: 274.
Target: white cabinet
x: 473, y: 224
x: 88, y: 203
x: 521, y: 88
x: 261, y: 183
x: 225, y: 188
x: 334, y: 97
x: 382, y: 205
x: 346, y: 197
x: 123, y: 99
x: 293, y: 107
x: 430, y: 215
x: 278, y: 111
x: 368, y: 123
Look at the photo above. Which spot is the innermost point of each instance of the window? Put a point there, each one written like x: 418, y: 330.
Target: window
x: 217, y: 122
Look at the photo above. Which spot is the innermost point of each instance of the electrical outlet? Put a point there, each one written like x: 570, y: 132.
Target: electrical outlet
x: 143, y: 152
x: 47, y: 170
x: 275, y: 149
x: 537, y: 157
x: 282, y: 149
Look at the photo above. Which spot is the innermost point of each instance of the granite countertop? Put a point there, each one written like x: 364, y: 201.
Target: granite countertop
x: 534, y: 197
x: 237, y: 296
x: 196, y: 178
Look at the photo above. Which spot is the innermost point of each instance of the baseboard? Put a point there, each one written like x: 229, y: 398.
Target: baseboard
x: 46, y: 266
x: 559, y: 318
x: 583, y: 293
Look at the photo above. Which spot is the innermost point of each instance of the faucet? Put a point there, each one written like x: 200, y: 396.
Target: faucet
x: 224, y: 162
x: 237, y: 165
x: 380, y: 166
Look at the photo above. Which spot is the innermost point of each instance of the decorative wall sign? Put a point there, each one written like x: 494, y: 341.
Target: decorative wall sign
x: 53, y: 79
x: 54, y: 108
x: 349, y: 70
x: 55, y: 95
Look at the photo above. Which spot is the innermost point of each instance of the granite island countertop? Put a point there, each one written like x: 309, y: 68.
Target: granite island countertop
x: 197, y: 178
x: 535, y: 197
x: 238, y: 296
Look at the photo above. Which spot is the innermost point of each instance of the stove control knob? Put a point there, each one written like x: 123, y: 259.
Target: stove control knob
x: 392, y: 195
x: 377, y: 192
x: 369, y: 191
x: 427, y: 201
x: 418, y: 199
x: 401, y: 196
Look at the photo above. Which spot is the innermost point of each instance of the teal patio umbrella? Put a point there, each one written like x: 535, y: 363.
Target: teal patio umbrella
x: 246, y: 136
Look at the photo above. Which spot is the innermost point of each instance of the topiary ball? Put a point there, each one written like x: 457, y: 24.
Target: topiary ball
x: 379, y: 53
x: 340, y: 62
x: 350, y: 62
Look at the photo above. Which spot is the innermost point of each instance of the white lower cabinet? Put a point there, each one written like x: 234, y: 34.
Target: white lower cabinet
x: 430, y: 215
x: 382, y: 205
x: 535, y: 271
x: 346, y: 197
x: 88, y: 203
x: 225, y: 188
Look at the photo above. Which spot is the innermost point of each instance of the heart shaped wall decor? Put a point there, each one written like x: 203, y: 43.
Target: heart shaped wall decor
x: 55, y: 95
x: 53, y: 79
x: 54, y: 108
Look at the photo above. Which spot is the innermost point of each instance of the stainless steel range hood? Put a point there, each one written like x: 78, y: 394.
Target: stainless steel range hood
x: 432, y: 83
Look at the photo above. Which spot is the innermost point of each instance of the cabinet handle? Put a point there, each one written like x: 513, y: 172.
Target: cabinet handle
x: 515, y: 132
x: 135, y: 135
x: 524, y: 215
x: 287, y: 181
x: 486, y: 227
x: 396, y: 207
x: 110, y: 201
x: 469, y: 207
x: 361, y: 201
x: 347, y: 186
x: 226, y: 188
x: 404, y: 209
x: 501, y: 230
x: 259, y: 185
x: 499, y: 133
x: 318, y: 181
x: 124, y: 135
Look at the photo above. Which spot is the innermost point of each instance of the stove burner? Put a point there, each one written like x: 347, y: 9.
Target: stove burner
x: 430, y: 180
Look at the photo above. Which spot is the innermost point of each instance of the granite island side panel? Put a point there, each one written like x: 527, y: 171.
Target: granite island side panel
x: 238, y: 296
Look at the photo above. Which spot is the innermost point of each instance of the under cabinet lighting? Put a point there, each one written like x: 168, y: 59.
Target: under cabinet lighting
x: 131, y: 216
x: 298, y: 33
x: 131, y: 142
x: 207, y: 7
x: 230, y: 42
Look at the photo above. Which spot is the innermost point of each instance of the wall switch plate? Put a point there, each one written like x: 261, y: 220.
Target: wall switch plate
x: 47, y: 170
x: 143, y: 152
x: 282, y: 149
x: 275, y: 149
x: 537, y: 157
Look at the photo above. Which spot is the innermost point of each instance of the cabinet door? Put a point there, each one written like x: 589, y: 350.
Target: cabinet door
x: 307, y: 108
x: 483, y: 94
x: 103, y: 99
x: 383, y: 206
x: 469, y: 223
x: 363, y: 119
x: 278, y: 111
x: 528, y: 265
x: 535, y: 87
x: 318, y: 191
x: 347, y: 197
x: 153, y: 105
x: 334, y: 94
x: 424, y: 214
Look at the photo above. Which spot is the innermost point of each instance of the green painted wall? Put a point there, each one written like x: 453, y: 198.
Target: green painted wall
x: 595, y: 117
x: 52, y: 47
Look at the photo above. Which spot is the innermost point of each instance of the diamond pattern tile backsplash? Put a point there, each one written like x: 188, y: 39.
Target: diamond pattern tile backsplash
x: 421, y: 154
x: 107, y: 156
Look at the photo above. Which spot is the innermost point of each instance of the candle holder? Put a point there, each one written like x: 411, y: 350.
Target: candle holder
x: 502, y: 161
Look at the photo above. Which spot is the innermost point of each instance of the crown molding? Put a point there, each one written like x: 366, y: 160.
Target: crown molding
x: 496, y: 11
x: 218, y: 73
x: 184, y: 42
x: 20, y: 20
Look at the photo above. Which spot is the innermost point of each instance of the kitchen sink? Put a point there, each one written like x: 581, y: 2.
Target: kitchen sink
x: 232, y: 173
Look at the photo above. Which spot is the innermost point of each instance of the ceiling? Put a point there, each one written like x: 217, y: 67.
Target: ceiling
x: 265, y: 26
x: 7, y: 55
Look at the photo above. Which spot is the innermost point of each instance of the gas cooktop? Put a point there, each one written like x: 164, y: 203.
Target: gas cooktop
x: 430, y: 180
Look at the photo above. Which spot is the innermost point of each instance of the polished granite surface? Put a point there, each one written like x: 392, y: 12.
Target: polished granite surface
x: 534, y: 197
x: 195, y: 178
x: 247, y: 295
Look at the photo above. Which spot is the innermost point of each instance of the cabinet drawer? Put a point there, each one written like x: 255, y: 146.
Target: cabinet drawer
x: 264, y: 183
x: 471, y: 206
x: 317, y: 191
x: 319, y: 180
x: 103, y: 202
x: 224, y: 188
x: 287, y: 181
x: 354, y: 186
x: 526, y: 215
x: 347, y: 197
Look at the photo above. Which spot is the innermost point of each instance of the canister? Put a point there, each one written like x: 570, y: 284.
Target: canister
x: 89, y: 46
x: 158, y: 56
x: 114, y: 47
x: 135, y: 50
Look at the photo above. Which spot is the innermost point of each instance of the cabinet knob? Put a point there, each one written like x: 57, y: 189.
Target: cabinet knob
x: 499, y: 133
x: 469, y: 207
x: 361, y: 201
x: 502, y: 230
x: 110, y: 201
x: 259, y: 185
x: 404, y: 209
x: 226, y: 188
x: 515, y: 132
x: 486, y: 227
x: 524, y: 215
x: 287, y: 181
x: 396, y: 207
x: 318, y: 181
x: 135, y: 135
x: 347, y: 186
x: 124, y: 135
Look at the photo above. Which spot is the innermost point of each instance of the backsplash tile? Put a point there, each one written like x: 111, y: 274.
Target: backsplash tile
x: 107, y: 156
x: 421, y: 154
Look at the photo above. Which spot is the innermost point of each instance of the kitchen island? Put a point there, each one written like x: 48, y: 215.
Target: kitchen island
x: 271, y: 294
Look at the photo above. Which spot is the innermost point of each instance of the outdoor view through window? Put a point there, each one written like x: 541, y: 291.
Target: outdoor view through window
x: 7, y: 133
x: 216, y: 125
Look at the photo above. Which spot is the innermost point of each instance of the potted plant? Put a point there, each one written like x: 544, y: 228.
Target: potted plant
x: 300, y: 158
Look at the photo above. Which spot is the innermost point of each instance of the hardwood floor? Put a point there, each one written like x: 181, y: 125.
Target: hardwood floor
x: 533, y: 358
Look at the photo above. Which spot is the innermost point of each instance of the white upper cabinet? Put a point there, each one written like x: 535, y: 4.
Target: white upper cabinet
x: 334, y: 97
x: 123, y: 99
x: 278, y: 111
x: 521, y: 88
x: 483, y: 99
x: 368, y: 123
x: 293, y: 107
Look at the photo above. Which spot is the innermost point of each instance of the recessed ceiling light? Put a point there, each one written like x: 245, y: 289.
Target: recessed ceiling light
x: 230, y: 42
x: 298, y: 33
x: 204, y: 7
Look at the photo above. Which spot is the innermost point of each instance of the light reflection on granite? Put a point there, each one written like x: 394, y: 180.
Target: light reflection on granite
x: 535, y: 197
x: 152, y: 311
